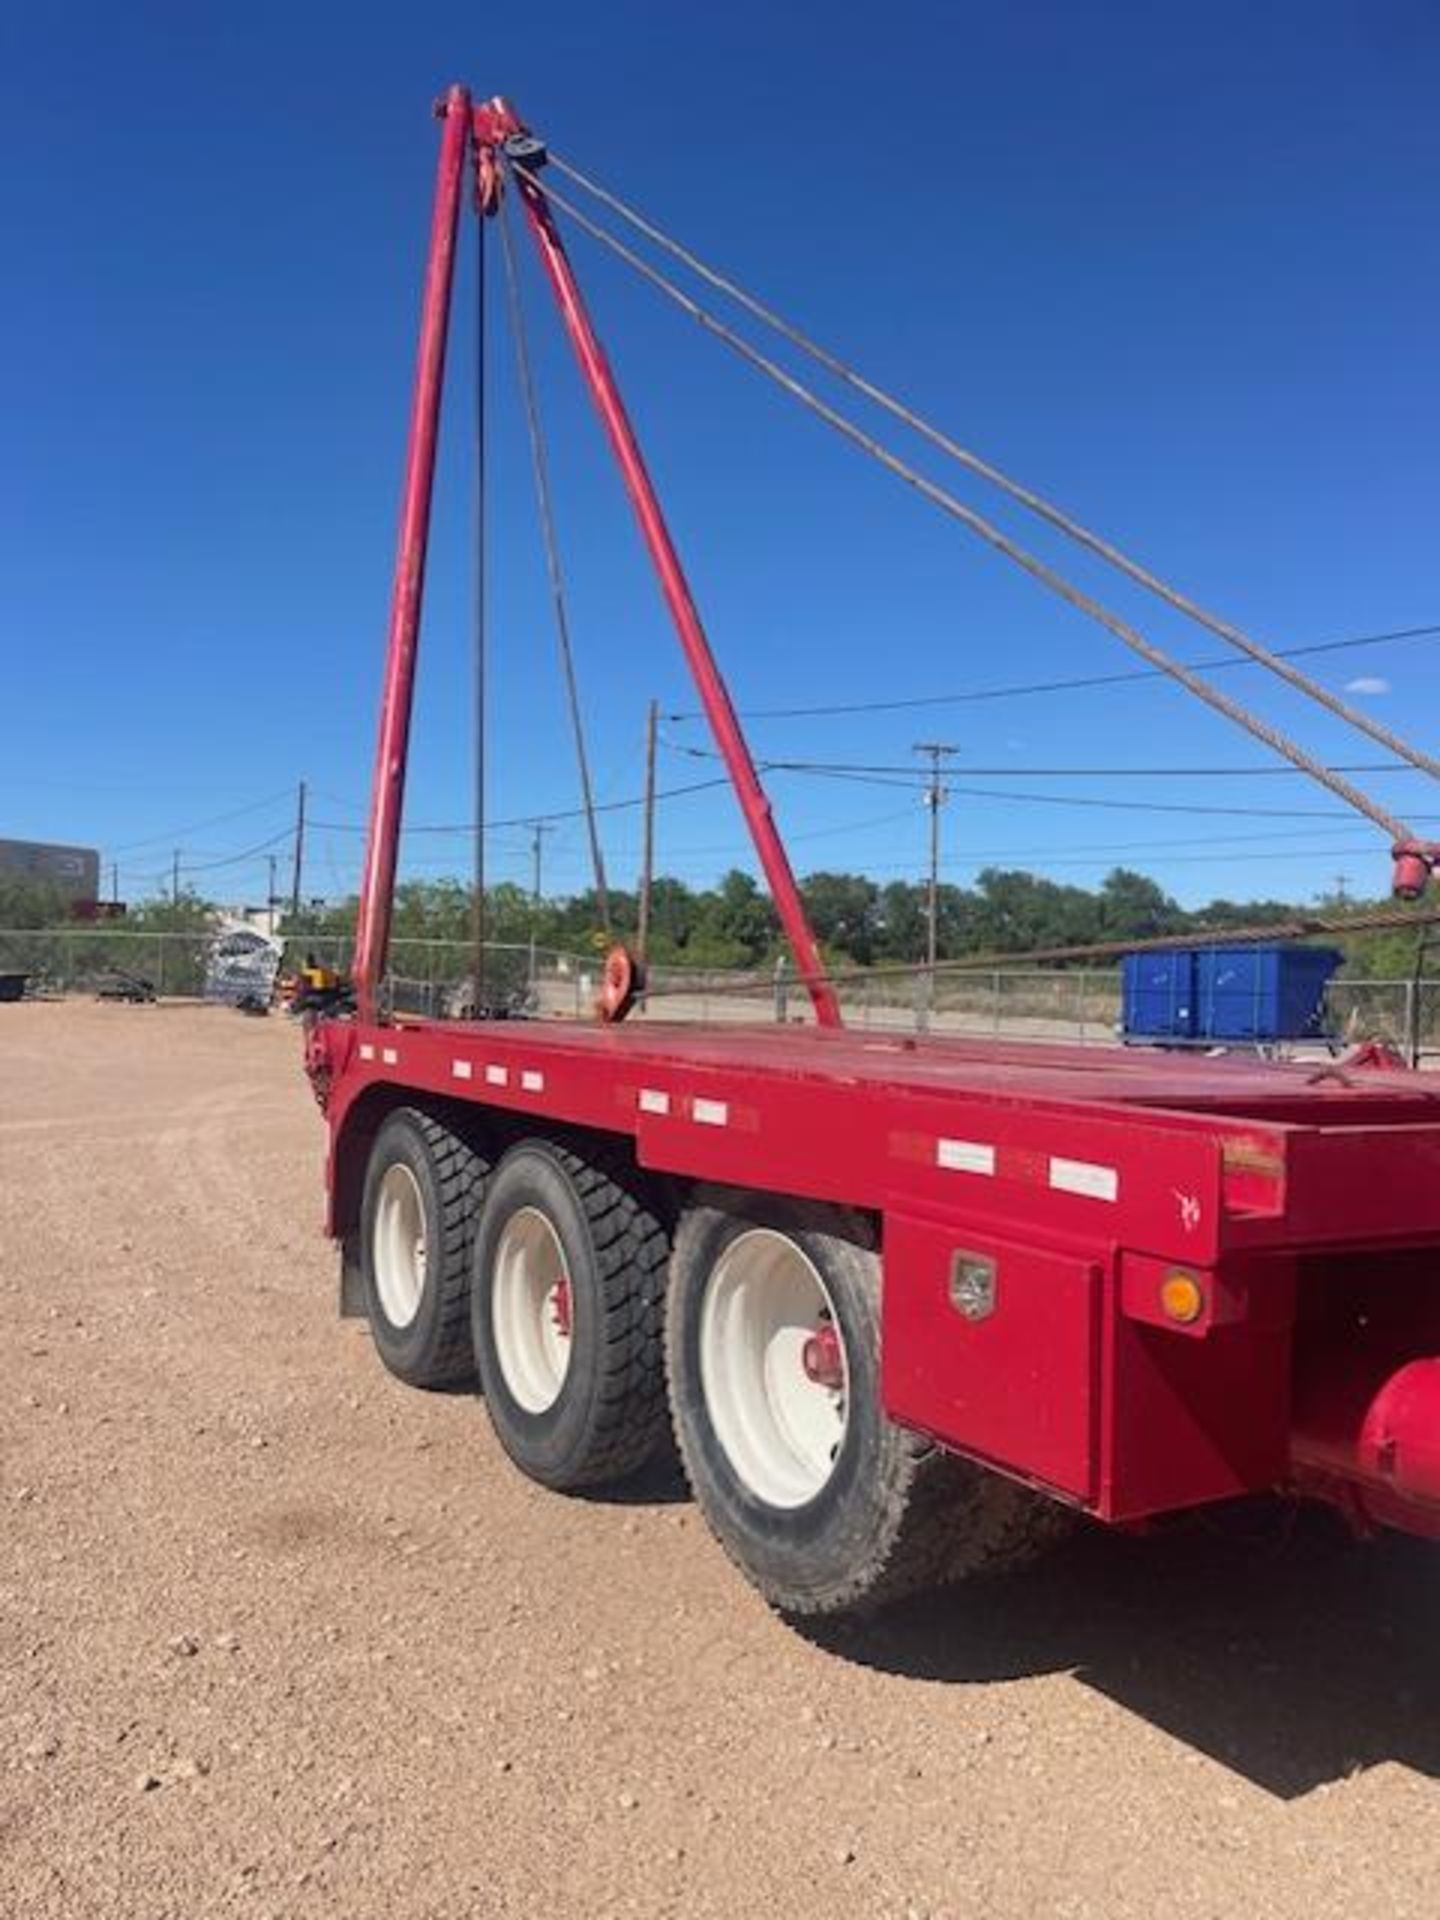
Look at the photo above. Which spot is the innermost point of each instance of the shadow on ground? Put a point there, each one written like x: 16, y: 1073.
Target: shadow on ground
x: 1268, y: 1640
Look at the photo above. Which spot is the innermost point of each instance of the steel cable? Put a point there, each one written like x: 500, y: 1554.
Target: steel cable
x: 1034, y: 502
x: 1384, y: 920
x: 544, y: 506
x: 1259, y: 728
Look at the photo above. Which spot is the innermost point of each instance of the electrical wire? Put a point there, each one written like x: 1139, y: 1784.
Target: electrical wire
x: 1038, y: 569
x: 922, y: 779
x: 530, y: 819
x: 1034, y: 502
x: 913, y: 778
x: 1217, y: 663
x: 199, y: 826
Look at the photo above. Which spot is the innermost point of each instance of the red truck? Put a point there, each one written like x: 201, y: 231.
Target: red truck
x: 908, y: 1304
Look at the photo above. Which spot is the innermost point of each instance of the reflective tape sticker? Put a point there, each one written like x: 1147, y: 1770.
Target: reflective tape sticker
x: 390, y: 1056
x: 532, y: 1082
x: 710, y: 1113
x: 463, y: 1069
x: 1084, y: 1177
x: 498, y: 1076
x: 652, y: 1100
x: 965, y: 1156
x: 367, y: 1052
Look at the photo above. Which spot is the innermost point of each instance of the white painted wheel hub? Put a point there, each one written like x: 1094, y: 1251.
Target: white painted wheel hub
x: 781, y: 1428
x: 399, y: 1249
x: 530, y: 1310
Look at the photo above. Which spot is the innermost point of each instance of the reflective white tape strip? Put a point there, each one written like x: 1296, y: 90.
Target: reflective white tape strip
x: 652, y: 1100
x: 390, y: 1057
x: 532, y: 1082
x: 367, y: 1052
x: 1084, y: 1177
x: 498, y: 1076
x: 965, y: 1156
x: 710, y: 1113
x: 463, y: 1069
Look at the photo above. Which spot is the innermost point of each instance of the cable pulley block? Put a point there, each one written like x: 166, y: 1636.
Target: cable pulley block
x: 525, y: 151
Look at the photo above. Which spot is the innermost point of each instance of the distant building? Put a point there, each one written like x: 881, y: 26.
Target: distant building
x: 74, y: 870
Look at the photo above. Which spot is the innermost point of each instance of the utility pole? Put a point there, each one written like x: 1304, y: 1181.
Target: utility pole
x: 538, y: 831
x: 1342, y: 882
x: 114, y: 883
x: 937, y: 751
x: 271, y: 901
x: 299, y: 860
x: 647, y: 863
x: 175, y: 878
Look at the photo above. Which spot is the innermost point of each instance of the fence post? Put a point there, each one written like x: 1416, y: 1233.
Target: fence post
x: 1412, y: 1023
x: 781, y: 998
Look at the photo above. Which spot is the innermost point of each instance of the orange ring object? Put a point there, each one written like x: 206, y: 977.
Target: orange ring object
x: 622, y: 979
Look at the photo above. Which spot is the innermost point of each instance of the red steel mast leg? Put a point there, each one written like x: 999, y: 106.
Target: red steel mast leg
x: 377, y: 886
x: 493, y: 123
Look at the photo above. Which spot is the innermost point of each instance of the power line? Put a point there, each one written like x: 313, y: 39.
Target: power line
x: 1048, y: 773
x: 895, y: 776
x: 173, y: 834
x: 529, y: 819
x: 1221, y: 664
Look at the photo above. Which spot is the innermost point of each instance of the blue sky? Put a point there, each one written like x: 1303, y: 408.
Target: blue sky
x: 1176, y: 267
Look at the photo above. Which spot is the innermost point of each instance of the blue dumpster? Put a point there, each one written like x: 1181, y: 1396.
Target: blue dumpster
x: 1254, y: 993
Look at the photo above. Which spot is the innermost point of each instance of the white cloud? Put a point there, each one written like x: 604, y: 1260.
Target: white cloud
x: 1367, y: 683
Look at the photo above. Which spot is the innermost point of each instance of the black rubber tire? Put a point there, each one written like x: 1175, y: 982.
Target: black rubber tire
x: 609, y: 1416
x: 897, y: 1514
x: 435, y: 1349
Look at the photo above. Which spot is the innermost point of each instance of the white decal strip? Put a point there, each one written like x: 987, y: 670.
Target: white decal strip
x: 1084, y: 1177
x: 965, y: 1156
x: 497, y: 1076
x: 463, y: 1069
x: 390, y: 1056
x: 367, y: 1052
x: 710, y: 1113
x: 652, y: 1100
x: 532, y: 1082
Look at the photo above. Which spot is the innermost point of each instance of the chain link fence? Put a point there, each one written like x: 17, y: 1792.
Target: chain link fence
x: 431, y: 977
x: 436, y: 979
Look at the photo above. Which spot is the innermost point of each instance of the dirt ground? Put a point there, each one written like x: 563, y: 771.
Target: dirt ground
x: 280, y: 1637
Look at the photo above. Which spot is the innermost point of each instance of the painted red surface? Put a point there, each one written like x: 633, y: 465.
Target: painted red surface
x: 1303, y: 1203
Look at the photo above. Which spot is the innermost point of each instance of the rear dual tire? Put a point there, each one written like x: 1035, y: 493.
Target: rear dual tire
x: 772, y: 1357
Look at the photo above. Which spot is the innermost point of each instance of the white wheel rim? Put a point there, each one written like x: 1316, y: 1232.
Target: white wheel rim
x: 530, y: 1310
x: 781, y: 1429
x: 399, y: 1245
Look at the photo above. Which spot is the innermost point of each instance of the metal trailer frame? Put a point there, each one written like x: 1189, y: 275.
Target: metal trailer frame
x: 1138, y: 1282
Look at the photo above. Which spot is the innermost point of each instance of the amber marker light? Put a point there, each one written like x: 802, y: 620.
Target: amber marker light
x: 1182, y: 1298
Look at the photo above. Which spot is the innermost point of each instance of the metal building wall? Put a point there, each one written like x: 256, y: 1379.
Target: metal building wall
x: 74, y: 869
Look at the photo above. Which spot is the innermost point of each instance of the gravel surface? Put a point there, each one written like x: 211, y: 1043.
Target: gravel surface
x: 280, y: 1637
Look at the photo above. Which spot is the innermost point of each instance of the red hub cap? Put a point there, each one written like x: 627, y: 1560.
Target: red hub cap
x: 822, y: 1359
x: 560, y: 1308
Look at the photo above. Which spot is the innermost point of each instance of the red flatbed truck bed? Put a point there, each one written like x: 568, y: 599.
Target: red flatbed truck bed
x: 906, y: 1302
x: 1064, y: 1187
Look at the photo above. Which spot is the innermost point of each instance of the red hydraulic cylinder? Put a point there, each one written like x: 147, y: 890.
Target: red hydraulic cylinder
x: 377, y: 885
x: 494, y: 121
